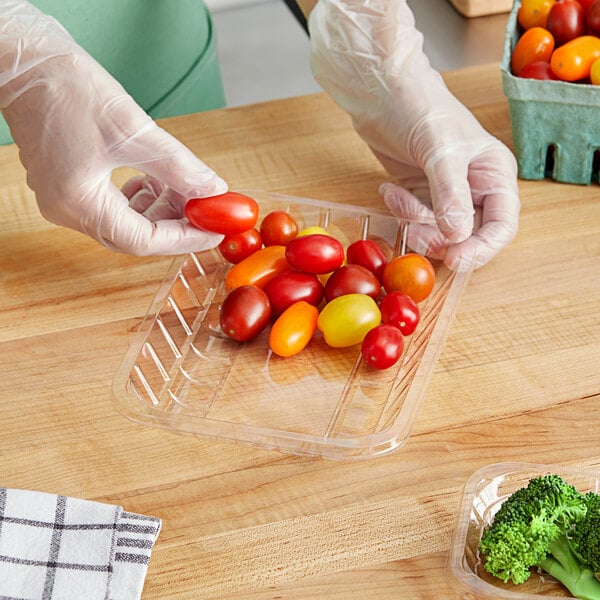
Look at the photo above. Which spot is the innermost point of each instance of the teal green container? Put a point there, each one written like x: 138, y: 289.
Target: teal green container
x: 163, y: 52
x: 555, y: 124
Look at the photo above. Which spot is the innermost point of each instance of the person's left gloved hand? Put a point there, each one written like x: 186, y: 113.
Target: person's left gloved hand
x: 74, y: 125
x: 451, y: 173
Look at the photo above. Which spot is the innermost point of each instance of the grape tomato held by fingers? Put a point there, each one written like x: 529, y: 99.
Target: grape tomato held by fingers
x: 293, y: 329
x: 226, y: 213
x: 368, y: 254
x: 292, y: 286
x: 412, y: 274
x: 315, y: 253
x: 352, y: 279
x: 245, y: 312
x: 401, y: 311
x: 234, y: 247
x: 382, y: 346
x: 277, y: 228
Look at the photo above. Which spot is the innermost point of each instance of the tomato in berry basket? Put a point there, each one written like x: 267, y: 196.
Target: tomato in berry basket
x: 534, y: 13
x: 536, y: 44
x: 245, y: 312
x: 352, y: 279
x: 292, y: 286
x: 315, y: 253
x: 573, y: 61
x: 566, y: 21
x: 411, y: 274
x: 538, y: 70
x: 277, y: 228
x: 226, y: 213
x: 234, y: 247
x: 293, y: 329
x: 382, y: 346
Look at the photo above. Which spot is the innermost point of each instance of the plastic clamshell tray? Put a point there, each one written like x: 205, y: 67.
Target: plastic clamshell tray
x: 183, y: 374
x: 483, y: 495
x: 555, y: 119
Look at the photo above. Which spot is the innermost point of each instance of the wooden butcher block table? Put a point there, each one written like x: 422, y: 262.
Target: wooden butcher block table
x: 518, y: 378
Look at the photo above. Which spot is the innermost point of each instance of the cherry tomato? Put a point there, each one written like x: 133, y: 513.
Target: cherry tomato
x: 538, y: 70
x: 292, y: 286
x: 382, y: 346
x: 258, y: 268
x: 234, y: 247
x: 534, y: 45
x: 593, y: 18
x: 401, y: 311
x: 352, y: 279
x: 368, y: 254
x: 534, y: 13
x: 278, y: 228
x: 245, y: 312
x: 566, y: 21
x: 411, y: 274
x: 226, y: 213
x: 595, y: 72
x: 346, y: 319
x: 573, y: 61
x: 293, y: 329
x: 586, y: 4
x: 315, y: 253
x: 314, y: 229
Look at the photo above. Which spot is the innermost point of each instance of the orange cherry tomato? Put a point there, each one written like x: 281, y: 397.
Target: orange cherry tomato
x: 258, y: 268
x: 534, y: 45
x: 278, y: 228
x: 534, y: 13
x: 573, y: 61
x: 293, y: 329
x: 412, y: 274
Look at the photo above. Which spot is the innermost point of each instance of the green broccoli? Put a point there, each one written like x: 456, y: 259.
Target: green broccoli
x: 532, y: 529
x: 585, y: 537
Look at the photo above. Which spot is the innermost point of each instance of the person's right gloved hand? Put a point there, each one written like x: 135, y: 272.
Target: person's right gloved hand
x: 74, y: 124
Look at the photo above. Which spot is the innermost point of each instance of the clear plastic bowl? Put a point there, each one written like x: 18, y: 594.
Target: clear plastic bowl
x: 483, y: 494
x: 183, y: 374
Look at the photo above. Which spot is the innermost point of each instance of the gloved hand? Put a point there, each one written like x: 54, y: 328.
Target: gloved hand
x: 368, y: 56
x: 74, y: 124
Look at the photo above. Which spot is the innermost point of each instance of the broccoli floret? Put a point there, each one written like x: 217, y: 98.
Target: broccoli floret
x: 531, y: 529
x: 585, y: 537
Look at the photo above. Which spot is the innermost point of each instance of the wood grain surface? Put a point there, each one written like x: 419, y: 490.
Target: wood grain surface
x: 518, y: 378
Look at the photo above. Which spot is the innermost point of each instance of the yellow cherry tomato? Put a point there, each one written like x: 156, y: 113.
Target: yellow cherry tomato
x: 573, y: 61
x: 534, y: 13
x: 293, y: 329
x: 313, y: 229
x: 595, y: 72
x: 346, y: 319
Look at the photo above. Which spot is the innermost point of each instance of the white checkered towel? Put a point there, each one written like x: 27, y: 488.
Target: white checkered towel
x: 59, y: 548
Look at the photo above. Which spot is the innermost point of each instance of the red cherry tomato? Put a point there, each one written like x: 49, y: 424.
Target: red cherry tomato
x: 352, y: 279
x: 586, y: 4
x: 368, y: 254
x: 226, y: 213
x: 411, y: 274
x: 566, y: 21
x: 258, y: 268
x: 234, y: 247
x: 278, y: 228
x: 245, y: 312
x: 293, y: 329
x: 292, y: 286
x: 401, y: 311
x: 593, y: 18
x: 534, y: 45
x: 382, y: 346
x: 538, y: 70
x: 573, y: 60
x: 315, y: 253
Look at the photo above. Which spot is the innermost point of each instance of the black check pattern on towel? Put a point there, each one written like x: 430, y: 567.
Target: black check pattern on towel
x: 59, y: 548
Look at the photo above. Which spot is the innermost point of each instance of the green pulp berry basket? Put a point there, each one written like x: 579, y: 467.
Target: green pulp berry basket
x: 555, y: 124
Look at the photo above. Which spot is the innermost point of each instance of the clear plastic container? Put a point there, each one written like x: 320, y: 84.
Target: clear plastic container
x: 181, y: 372
x: 483, y: 495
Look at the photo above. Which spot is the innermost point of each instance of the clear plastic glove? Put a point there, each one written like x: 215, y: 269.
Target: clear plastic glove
x: 367, y: 55
x: 74, y: 124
